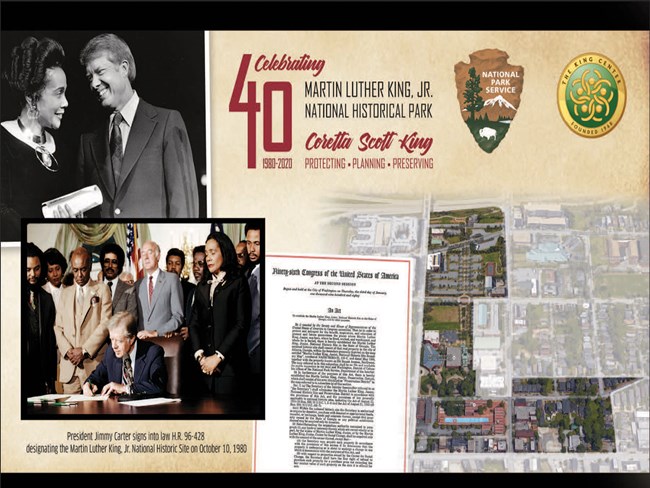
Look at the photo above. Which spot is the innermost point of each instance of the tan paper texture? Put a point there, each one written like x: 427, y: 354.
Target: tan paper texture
x: 539, y: 158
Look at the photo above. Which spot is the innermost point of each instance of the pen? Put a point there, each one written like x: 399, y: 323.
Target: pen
x: 58, y: 404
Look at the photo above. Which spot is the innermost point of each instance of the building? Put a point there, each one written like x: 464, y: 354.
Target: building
x: 525, y: 434
x: 499, y: 291
x: 421, y: 446
x: 482, y: 315
x: 548, y: 215
x: 574, y: 442
x: 449, y: 336
x: 432, y: 336
x: 419, y: 411
x: 428, y: 411
x: 547, y: 252
x: 453, y: 357
x: 430, y: 356
x: 489, y: 283
x: 623, y: 250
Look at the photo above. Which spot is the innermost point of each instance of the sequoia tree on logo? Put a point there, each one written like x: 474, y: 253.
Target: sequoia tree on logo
x: 489, y: 91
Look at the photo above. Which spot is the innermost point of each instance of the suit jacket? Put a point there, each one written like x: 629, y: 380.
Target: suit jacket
x: 224, y: 326
x: 125, y: 299
x: 40, y: 359
x: 150, y: 374
x: 157, y: 178
x: 165, y: 313
x: 86, y: 329
x: 254, y: 332
x: 188, y: 295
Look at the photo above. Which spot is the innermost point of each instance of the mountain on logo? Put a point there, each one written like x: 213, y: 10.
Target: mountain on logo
x: 500, y: 100
x: 497, y: 108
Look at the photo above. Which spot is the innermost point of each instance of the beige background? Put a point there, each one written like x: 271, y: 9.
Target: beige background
x: 539, y: 158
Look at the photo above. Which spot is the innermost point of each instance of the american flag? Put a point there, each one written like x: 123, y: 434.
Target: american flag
x: 133, y: 251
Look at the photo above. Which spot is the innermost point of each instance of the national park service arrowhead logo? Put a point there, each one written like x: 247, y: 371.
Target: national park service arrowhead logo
x: 489, y: 91
x: 591, y: 95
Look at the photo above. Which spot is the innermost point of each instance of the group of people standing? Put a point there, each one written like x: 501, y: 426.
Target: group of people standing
x: 101, y: 330
x: 139, y: 155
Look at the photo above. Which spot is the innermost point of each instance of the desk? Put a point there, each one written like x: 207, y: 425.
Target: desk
x: 226, y: 408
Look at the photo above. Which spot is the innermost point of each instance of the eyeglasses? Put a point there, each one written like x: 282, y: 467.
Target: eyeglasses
x: 111, y: 261
x: 47, y: 159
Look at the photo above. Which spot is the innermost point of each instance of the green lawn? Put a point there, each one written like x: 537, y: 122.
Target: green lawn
x: 441, y: 317
x: 598, y: 245
x: 430, y: 325
x: 535, y: 314
x: 579, y: 217
x: 623, y: 285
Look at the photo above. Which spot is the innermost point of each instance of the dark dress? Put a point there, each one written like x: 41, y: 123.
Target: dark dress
x: 39, y: 360
x: 223, y: 327
x: 26, y: 183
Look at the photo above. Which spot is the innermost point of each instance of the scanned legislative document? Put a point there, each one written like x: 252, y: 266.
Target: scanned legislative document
x: 337, y: 364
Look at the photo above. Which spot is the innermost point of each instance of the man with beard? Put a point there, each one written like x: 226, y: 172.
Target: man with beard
x: 198, y: 263
x: 39, y: 362
x: 242, y: 256
x: 112, y: 258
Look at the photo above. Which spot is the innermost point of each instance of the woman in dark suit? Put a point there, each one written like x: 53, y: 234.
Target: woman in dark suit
x: 221, y: 318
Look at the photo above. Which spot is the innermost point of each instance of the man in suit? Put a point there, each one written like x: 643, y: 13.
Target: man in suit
x: 130, y: 365
x: 140, y: 156
x: 198, y: 263
x: 175, y: 263
x: 39, y: 362
x: 253, y: 238
x: 80, y: 326
x: 160, y: 297
x: 190, y: 379
x: 123, y: 296
x: 242, y: 256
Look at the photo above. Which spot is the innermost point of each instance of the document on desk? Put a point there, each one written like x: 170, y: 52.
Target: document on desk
x: 336, y: 337
x: 55, y: 397
x: 147, y: 402
x: 86, y: 398
x: 50, y: 398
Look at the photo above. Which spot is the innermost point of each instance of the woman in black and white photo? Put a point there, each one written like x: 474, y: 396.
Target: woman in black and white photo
x: 32, y: 162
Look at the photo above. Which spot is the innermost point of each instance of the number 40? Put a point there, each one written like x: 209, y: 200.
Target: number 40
x: 251, y: 107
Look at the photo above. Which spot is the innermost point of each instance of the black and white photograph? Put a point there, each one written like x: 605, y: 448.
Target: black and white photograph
x: 102, y: 124
x: 148, y: 318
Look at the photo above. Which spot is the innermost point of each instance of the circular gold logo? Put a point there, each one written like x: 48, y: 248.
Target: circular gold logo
x: 591, y: 95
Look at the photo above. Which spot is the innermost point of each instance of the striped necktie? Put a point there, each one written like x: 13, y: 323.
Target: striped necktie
x: 127, y: 373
